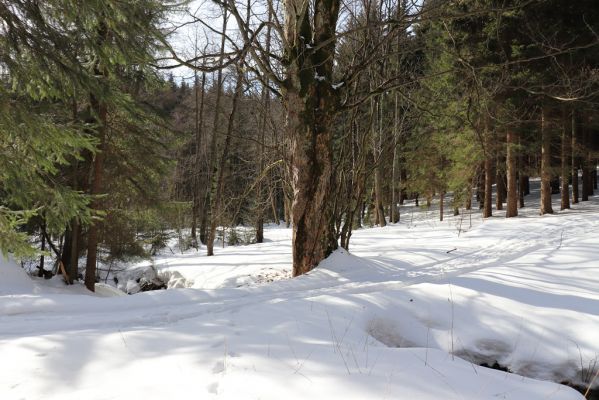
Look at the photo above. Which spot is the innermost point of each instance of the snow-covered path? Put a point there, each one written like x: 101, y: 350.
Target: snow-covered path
x: 392, y: 320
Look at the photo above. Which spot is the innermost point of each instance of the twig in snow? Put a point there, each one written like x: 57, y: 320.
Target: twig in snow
x: 336, y: 343
x: 452, y: 318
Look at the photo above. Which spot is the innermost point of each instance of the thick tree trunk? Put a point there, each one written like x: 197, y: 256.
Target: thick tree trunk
x: 565, y: 159
x: 512, y: 192
x: 546, y: 207
x: 313, y: 229
x: 310, y: 102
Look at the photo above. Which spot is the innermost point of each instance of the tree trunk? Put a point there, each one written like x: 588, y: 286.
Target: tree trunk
x: 546, y: 207
x: 213, y: 157
x: 468, y: 202
x: 587, y: 185
x: 565, y: 159
x: 310, y: 103
x: 43, y: 249
x: 441, y: 205
x: 73, y: 265
x: 499, y: 188
x: 521, y: 190
x: 260, y: 193
x: 198, y: 196
x: 512, y: 194
x: 394, y: 208
x: 378, y: 160
x: 574, y: 158
x: 101, y: 113
x: 219, y: 185
x: 488, y: 194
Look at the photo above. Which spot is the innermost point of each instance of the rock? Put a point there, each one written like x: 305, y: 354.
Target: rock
x: 132, y: 287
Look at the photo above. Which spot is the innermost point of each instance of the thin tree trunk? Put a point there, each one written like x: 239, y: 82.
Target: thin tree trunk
x: 220, y: 179
x: 100, y: 110
x: 261, y: 201
x: 73, y: 269
x: 441, y: 205
x: 512, y: 193
x: 197, y: 182
x: 499, y: 189
x: 206, y: 223
x: 546, y: 207
x: 565, y: 159
x: 586, y: 170
x: 521, y: 190
x: 273, y: 205
x: 394, y: 209
x: 488, y: 194
x: 574, y: 158
x: 378, y: 159
x: 43, y: 249
x: 260, y: 198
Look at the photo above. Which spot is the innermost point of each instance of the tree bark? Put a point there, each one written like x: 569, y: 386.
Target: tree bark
x: 521, y: 190
x: 198, y: 196
x: 376, y: 105
x: 512, y: 193
x: 394, y: 209
x: 499, y: 188
x: 488, y: 195
x: 310, y: 104
x: 101, y: 113
x: 587, y: 185
x: 565, y: 159
x: 265, y: 99
x: 546, y: 207
x: 206, y: 224
x: 216, y: 206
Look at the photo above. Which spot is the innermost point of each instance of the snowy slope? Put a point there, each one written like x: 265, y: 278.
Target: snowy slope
x: 407, y: 315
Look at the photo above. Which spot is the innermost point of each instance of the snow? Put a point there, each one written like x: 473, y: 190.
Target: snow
x: 13, y: 279
x: 408, y: 314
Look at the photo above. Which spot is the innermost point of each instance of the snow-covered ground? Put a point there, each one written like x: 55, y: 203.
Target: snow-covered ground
x: 409, y: 314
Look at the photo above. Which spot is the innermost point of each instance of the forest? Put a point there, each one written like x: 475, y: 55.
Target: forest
x: 339, y: 140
